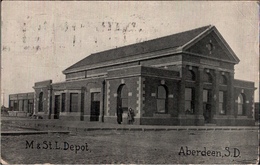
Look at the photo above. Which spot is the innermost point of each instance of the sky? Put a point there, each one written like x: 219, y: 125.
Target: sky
x: 40, y: 39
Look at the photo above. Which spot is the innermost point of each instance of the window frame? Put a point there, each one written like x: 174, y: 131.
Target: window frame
x: 223, y: 80
x: 190, y: 76
x: 223, y: 103
x: 63, y: 102
x: 207, y: 78
x: 241, y: 104
x: 40, y: 106
x: 163, y: 99
x: 77, y: 109
x: 191, y: 101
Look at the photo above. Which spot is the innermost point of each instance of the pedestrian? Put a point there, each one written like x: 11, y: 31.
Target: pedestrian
x: 119, y: 114
x: 130, y: 116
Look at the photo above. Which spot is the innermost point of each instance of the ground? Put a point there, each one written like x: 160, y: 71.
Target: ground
x: 134, y: 147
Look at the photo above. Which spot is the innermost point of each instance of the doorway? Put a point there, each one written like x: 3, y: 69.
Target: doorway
x: 95, y: 106
x: 40, y: 106
x: 57, y: 107
x: 207, y: 110
x: 30, y: 106
x: 122, y: 103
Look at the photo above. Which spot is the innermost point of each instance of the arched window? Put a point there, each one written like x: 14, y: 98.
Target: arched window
x: 241, y: 105
x: 40, y: 109
x: 123, y: 97
x: 189, y: 100
x: 190, y: 75
x: 207, y: 78
x: 223, y: 80
x: 222, y: 102
x: 161, y: 99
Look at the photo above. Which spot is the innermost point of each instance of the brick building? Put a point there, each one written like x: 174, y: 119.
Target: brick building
x: 181, y: 79
x: 21, y: 104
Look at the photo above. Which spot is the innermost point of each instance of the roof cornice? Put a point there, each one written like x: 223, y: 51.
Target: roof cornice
x: 206, y: 32
x: 135, y: 58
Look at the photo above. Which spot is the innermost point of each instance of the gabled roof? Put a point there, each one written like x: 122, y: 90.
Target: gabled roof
x: 231, y: 55
x: 171, y: 41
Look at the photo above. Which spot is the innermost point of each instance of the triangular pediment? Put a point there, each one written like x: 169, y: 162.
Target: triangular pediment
x: 211, y: 45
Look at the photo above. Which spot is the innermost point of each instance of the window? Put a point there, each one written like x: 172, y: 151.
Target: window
x: 95, y: 96
x: 30, y: 106
x: 63, y: 98
x: 207, y: 78
x: 11, y: 105
x: 161, y: 99
x: 25, y: 105
x: 205, y: 96
x: 241, y: 105
x: 223, y: 80
x: 40, y: 107
x: 74, y: 102
x: 15, y: 105
x: 190, y: 75
x: 222, y: 102
x: 20, y: 103
x: 189, y: 100
x: 124, y: 98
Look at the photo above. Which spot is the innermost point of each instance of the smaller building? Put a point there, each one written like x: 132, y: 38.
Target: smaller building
x: 21, y: 104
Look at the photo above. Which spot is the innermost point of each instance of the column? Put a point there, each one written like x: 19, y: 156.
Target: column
x: 199, y: 92
x: 83, y: 89
x: 215, y: 93
x: 230, y: 94
x: 22, y: 105
x: 182, y: 91
x: 67, y: 102
x: 51, y: 102
x: 79, y: 104
x: 52, y: 106
x: 102, y: 101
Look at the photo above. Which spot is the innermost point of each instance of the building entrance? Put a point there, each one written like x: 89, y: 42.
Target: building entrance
x: 95, y: 106
x: 207, y: 110
x: 57, y: 107
x: 122, y: 103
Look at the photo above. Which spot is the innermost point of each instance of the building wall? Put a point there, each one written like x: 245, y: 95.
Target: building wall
x: 142, y: 83
x: 22, y: 104
x: 84, y: 88
x: 150, y: 113
x: 132, y: 97
x: 43, y: 88
x: 125, y: 78
x: 246, y: 89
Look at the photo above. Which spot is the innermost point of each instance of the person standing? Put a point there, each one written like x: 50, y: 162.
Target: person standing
x: 130, y: 116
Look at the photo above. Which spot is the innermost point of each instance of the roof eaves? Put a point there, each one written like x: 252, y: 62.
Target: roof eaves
x: 149, y: 56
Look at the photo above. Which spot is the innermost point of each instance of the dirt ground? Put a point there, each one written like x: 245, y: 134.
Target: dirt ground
x: 133, y: 147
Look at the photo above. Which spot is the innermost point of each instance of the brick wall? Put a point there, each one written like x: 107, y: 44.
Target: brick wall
x: 150, y: 95
x: 132, y: 84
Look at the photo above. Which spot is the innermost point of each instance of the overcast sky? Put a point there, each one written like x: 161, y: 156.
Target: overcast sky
x: 41, y: 39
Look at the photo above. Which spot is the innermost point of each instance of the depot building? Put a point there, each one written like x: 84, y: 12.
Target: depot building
x: 181, y: 79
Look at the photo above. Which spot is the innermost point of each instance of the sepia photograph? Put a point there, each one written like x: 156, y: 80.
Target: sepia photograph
x: 129, y: 82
